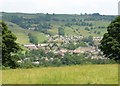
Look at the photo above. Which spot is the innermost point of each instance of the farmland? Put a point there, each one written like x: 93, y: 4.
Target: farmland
x: 48, y: 24
x: 79, y: 74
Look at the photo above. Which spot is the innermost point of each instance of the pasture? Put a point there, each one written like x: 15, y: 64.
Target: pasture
x: 79, y: 74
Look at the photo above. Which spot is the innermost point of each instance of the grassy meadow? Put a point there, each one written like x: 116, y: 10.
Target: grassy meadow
x: 0, y: 76
x: 79, y: 74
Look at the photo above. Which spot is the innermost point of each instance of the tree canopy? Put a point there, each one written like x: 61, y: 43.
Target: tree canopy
x: 0, y: 44
x: 61, y: 31
x: 9, y: 47
x: 110, y: 44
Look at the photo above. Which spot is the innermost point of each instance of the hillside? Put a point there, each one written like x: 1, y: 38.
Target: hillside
x: 22, y: 34
x: 40, y: 24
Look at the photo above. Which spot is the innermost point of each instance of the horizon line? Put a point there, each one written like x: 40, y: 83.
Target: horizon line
x: 60, y: 13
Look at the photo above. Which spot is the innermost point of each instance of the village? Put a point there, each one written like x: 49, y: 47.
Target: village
x: 57, y: 44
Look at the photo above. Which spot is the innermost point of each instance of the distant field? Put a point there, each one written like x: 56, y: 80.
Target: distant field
x: 79, y: 74
x: 73, y: 24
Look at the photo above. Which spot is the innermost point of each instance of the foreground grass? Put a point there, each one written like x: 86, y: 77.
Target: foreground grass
x: 79, y: 74
x: 0, y: 77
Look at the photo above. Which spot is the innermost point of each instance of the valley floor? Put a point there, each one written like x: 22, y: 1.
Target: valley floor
x: 79, y: 74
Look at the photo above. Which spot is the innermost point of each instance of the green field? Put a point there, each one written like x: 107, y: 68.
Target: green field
x: 79, y: 74
x: 73, y: 24
x: 22, y: 34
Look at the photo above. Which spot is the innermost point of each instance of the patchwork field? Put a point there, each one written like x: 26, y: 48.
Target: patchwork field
x: 73, y: 25
x: 79, y: 74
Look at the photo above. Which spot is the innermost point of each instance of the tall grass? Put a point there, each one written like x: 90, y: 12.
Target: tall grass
x: 79, y: 74
x: 0, y: 76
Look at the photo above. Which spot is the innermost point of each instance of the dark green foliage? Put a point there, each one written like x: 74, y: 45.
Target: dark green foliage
x: 96, y: 14
x: 45, y: 31
x: 51, y: 59
x: 61, y: 31
x: 70, y: 59
x: 9, y: 47
x: 33, y: 39
x: 43, y: 26
x: 57, y: 62
x: 98, y: 32
x: 101, y: 27
x: 46, y: 21
x: 89, y: 40
x: 0, y: 44
x: 82, y: 44
x: 72, y: 46
x: 26, y: 64
x: 38, y: 53
x: 50, y: 54
x: 101, y: 61
x: 86, y: 28
x: 110, y: 44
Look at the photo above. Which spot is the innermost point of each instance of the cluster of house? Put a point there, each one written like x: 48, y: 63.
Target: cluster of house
x: 62, y: 51
x: 54, y: 44
x: 64, y: 39
x: 97, y: 38
x: 68, y: 39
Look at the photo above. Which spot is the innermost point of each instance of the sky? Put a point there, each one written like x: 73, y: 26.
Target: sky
x: 104, y: 7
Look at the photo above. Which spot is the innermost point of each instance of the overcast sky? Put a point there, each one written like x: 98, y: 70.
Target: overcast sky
x: 106, y: 7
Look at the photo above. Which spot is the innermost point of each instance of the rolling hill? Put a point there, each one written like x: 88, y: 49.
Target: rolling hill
x: 40, y: 25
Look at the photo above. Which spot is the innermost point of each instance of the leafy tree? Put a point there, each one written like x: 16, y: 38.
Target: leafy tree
x: 50, y: 54
x: 38, y: 53
x: 0, y: 44
x: 98, y: 32
x: 110, y: 44
x: 89, y: 40
x: 9, y: 47
x: 61, y: 31
x: 82, y: 44
x: 57, y: 62
x: 96, y: 14
x: 86, y: 28
x: 32, y: 38
x: 71, y: 46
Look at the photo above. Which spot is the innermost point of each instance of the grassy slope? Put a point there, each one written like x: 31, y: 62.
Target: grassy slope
x: 82, y: 31
x: 22, y: 34
x: 70, y: 31
x: 19, y: 32
x: 79, y: 74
